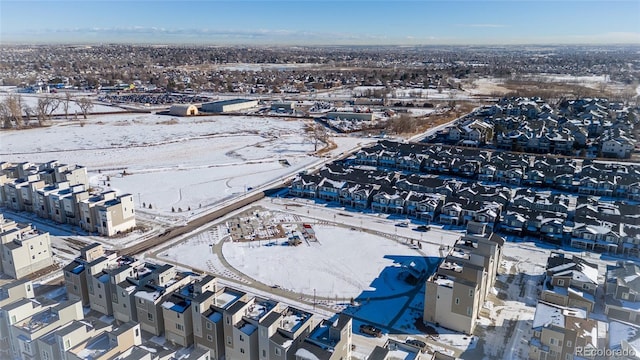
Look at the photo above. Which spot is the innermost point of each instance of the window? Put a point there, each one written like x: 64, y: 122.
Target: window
x: 264, y: 353
x: 469, y: 311
x: 278, y: 352
x: 179, y: 327
x: 560, y: 282
x: 585, y: 286
x: 241, y: 350
x: 228, y: 320
x: 470, y: 292
x: 45, y: 355
x: 208, y: 326
x: 137, y: 332
x: 209, y: 338
x: 241, y: 338
x: 569, y: 343
x: 67, y: 344
x: 228, y: 340
x: 150, y: 316
x: 457, y: 301
x: 625, y: 296
x: 552, y: 341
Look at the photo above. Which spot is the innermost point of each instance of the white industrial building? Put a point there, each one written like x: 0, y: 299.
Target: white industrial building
x: 232, y: 105
x: 183, y: 110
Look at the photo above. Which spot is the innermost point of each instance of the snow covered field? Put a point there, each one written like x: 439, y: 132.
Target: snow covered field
x: 170, y: 162
x: 344, y: 263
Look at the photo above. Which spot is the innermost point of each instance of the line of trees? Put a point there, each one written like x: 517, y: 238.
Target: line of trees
x: 15, y: 113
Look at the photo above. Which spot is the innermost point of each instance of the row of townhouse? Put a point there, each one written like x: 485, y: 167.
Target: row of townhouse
x: 596, y: 225
x: 530, y: 124
x: 23, y: 249
x: 563, y: 327
x: 505, y: 167
x: 193, y: 310
x: 37, y: 328
x: 61, y: 193
x: 456, y: 292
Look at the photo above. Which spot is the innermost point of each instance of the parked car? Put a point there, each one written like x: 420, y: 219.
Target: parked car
x: 417, y: 343
x: 370, y: 330
x: 403, y: 224
x: 423, y: 228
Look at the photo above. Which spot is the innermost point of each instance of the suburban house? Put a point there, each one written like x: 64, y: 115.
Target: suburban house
x: 570, y: 281
x: 622, y: 292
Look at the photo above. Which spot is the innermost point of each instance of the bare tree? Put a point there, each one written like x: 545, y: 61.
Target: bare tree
x: 316, y: 133
x: 13, y: 104
x: 28, y: 113
x: 46, y: 106
x: 85, y: 105
x: 65, y: 104
x: 5, y: 116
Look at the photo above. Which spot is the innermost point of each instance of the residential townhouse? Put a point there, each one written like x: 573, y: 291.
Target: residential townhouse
x: 177, y: 313
x: 59, y: 192
x: 102, y: 290
x: 561, y: 333
x: 457, y: 290
x: 281, y: 333
x: 331, y: 340
x: 54, y: 345
x: 25, y: 332
x: 79, y: 272
x: 107, y: 344
x: 622, y: 292
x: 157, y: 282
x: 210, y: 311
x: 393, y: 349
x: 15, y: 290
x: 13, y: 312
x: 241, y: 322
x: 570, y: 281
x: 25, y: 251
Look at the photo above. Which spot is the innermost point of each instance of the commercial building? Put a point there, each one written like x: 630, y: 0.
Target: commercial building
x: 233, y: 105
x: 183, y: 110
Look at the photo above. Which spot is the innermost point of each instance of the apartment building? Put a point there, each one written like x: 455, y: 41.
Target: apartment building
x: 156, y: 283
x: 107, y: 213
x: 15, y: 290
x: 78, y: 274
x: 208, y: 311
x: 102, y: 285
x: 281, y: 333
x: 177, y: 313
x: 107, y: 344
x: 457, y: 290
x: 60, y: 192
x: 330, y: 340
x: 53, y: 346
x: 622, y: 292
x: 241, y: 321
x: 561, y: 333
x: 24, y: 332
x: 24, y: 250
x: 570, y: 281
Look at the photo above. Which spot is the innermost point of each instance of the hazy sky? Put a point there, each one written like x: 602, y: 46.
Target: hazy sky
x: 321, y: 22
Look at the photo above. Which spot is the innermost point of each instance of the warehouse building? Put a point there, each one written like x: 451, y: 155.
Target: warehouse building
x: 183, y: 110
x: 343, y: 115
x: 232, y: 105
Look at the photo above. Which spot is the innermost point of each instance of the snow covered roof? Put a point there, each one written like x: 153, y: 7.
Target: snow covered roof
x: 552, y: 315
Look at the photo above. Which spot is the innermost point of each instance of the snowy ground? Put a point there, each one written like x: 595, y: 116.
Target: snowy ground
x: 170, y: 162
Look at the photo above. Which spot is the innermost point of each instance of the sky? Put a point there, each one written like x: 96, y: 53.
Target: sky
x: 310, y: 22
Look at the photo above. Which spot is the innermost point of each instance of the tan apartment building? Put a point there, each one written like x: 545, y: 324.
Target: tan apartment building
x: 15, y: 290
x: 177, y: 312
x: 561, y: 333
x: 241, y: 322
x: 457, y: 290
x: 102, y: 285
x: 208, y: 311
x: 26, y: 331
x: 107, y: 344
x: 79, y: 273
x: 330, y: 340
x: 24, y: 251
x: 281, y: 333
x: 54, y: 345
x: 62, y: 204
x: 116, y: 215
x: 157, y: 282
x: 19, y: 192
